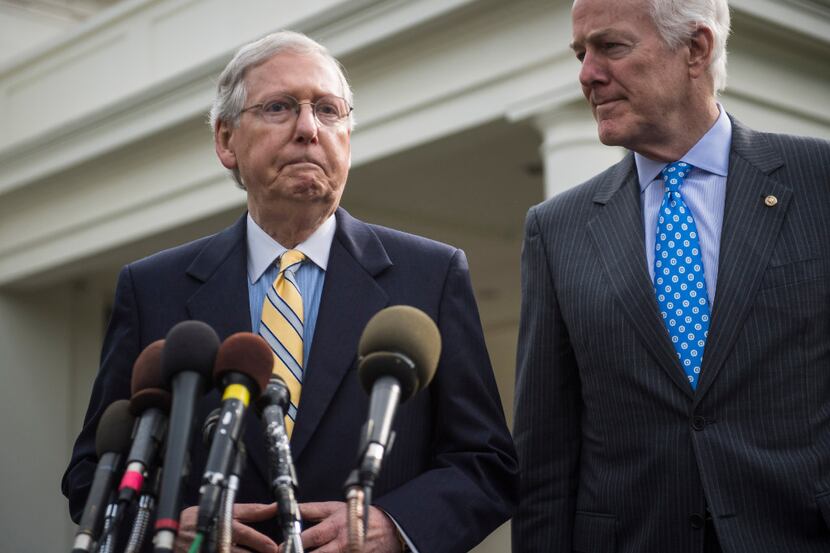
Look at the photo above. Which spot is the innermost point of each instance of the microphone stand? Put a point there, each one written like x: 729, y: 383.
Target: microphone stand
x: 146, y: 505
x: 283, y: 478
x: 109, y: 534
x: 225, y: 524
x: 357, y: 511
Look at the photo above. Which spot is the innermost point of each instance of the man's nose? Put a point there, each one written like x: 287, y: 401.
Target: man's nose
x: 593, y: 70
x: 306, y: 127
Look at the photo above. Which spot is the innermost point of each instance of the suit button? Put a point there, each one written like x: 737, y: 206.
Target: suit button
x: 698, y: 423
x: 697, y: 521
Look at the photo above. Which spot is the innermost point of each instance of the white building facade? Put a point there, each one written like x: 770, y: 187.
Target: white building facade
x: 468, y: 113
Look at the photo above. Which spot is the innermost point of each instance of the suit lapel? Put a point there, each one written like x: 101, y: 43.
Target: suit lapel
x: 617, y: 233
x: 350, y: 297
x: 749, y: 233
x: 222, y: 302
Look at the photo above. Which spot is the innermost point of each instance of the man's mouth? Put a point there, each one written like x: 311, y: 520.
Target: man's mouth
x: 304, y: 164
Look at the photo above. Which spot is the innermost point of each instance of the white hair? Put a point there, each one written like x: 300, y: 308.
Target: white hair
x: 231, y: 92
x: 677, y: 20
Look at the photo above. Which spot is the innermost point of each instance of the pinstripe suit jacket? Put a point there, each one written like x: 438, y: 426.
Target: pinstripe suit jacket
x: 618, y: 453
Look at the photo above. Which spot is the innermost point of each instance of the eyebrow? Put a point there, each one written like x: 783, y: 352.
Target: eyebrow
x: 598, y: 35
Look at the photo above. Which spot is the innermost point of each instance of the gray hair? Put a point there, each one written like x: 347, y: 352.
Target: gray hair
x: 676, y: 21
x: 231, y: 92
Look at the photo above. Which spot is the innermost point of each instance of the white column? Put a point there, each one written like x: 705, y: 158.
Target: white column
x: 571, y: 151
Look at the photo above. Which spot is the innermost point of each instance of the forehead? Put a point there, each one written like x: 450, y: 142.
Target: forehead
x: 595, y: 18
x: 299, y: 74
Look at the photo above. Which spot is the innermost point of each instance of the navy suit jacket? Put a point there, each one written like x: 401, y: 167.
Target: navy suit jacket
x: 451, y: 476
x: 618, y: 454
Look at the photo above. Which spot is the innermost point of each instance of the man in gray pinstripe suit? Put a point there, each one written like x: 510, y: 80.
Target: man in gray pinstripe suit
x: 627, y: 443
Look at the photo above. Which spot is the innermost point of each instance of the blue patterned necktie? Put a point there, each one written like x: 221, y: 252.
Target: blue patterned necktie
x: 678, y: 274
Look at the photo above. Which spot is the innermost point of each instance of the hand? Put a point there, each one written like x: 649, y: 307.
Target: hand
x: 245, y: 539
x: 330, y: 534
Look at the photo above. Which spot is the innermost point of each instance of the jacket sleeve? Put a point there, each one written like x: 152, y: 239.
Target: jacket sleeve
x: 470, y: 486
x: 121, y: 347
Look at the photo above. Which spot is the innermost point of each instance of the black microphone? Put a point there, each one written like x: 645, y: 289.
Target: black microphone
x: 146, y: 508
x: 151, y: 404
x: 398, y: 355
x: 222, y: 538
x: 243, y: 364
x: 112, y: 440
x: 186, y: 362
x: 273, y: 406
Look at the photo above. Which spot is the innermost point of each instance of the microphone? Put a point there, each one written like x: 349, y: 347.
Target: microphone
x: 272, y: 406
x: 397, y: 356
x: 112, y: 439
x: 146, y: 507
x: 186, y: 361
x: 150, y: 403
x: 243, y: 364
x: 221, y: 540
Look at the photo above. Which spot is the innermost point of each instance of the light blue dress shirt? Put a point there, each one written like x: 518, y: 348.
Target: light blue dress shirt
x: 704, y: 192
x: 264, y: 251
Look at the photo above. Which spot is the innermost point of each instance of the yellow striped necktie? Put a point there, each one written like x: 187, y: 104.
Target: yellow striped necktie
x: 282, y: 327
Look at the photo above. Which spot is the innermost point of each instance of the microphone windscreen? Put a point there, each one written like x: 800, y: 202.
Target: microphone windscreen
x: 149, y: 398
x: 114, y: 429
x: 405, y: 330
x: 147, y: 368
x: 248, y: 354
x: 190, y: 346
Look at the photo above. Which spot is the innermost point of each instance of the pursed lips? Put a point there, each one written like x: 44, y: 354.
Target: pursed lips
x: 604, y: 102
x: 303, y: 161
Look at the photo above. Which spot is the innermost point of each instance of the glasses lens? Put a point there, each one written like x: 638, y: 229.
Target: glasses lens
x: 330, y: 109
x: 279, y: 109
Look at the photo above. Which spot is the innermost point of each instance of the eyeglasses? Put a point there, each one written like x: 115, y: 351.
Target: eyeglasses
x: 328, y: 110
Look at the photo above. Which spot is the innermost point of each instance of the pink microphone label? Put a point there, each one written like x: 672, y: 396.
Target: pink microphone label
x: 132, y: 479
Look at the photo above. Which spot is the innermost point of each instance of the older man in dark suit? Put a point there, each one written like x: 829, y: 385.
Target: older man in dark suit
x: 282, y: 126
x: 673, y: 386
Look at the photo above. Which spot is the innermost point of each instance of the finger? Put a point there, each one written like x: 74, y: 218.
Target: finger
x: 187, y: 529
x: 246, y: 537
x: 320, y: 510
x: 254, y: 512
x: 332, y: 547
x: 324, y: 532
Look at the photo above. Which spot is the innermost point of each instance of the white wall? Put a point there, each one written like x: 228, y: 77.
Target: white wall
x: 49, y: 342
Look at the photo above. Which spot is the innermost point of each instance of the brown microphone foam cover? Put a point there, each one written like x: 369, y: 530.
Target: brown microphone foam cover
x: 407, y: 330
x: 115, y: 429
x: 147, y: 369
x: 245, y: 353
x: 150, y: 398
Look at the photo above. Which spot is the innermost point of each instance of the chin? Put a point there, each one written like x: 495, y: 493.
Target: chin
x: 610, y: 135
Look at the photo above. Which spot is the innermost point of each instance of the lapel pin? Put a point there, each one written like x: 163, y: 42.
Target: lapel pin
x: 770, y: 201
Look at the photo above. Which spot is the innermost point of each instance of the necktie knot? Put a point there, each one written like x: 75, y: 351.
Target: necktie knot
x: 290, y: 258
x: 674, y: 174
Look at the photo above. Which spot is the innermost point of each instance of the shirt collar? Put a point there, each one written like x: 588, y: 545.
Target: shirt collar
x: 264, y: 250
x: 711, y: 153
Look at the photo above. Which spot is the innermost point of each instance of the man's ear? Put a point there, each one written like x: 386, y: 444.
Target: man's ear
x: 223, y: 143
x: 701, y: 50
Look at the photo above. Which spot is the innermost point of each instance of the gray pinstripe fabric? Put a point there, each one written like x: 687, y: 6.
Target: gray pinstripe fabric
x: 616, y: 450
